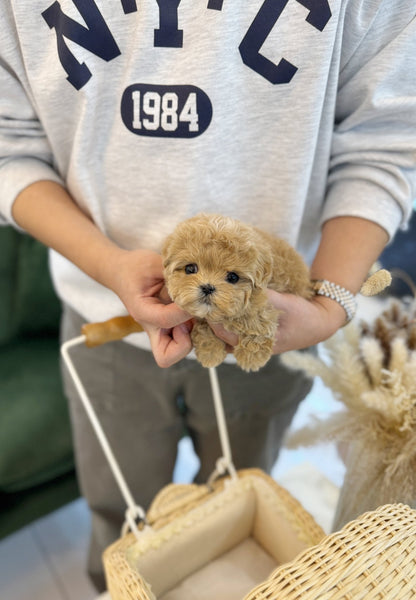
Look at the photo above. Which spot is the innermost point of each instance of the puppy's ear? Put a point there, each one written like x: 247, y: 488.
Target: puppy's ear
x: 263, y: 270
x: 166, y: 252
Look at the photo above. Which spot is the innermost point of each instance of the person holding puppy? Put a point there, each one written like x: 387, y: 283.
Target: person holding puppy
x: 119, y: 120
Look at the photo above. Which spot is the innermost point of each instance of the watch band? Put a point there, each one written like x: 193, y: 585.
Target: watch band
x: 323, y: 287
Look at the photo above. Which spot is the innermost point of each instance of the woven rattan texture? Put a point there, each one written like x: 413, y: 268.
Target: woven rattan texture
x: 175, y: 500
x: 125, y: 583
x: 371, y: 558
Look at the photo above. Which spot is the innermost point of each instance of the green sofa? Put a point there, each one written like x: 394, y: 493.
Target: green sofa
x: 36, y: 458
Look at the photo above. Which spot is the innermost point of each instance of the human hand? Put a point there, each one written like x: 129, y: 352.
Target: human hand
x: 302, y: 323
x: 137, y: 278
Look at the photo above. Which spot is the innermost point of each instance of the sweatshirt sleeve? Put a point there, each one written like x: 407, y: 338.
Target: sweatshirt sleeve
x: 25, y: 154
x: 373, y: 158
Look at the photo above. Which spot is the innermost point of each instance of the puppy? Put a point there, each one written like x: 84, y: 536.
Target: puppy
x: 218, y: 269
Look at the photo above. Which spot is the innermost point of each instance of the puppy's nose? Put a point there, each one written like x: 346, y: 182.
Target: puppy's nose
x: 207, y: 289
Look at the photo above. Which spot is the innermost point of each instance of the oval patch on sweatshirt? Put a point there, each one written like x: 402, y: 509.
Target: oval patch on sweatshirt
x: 179, y: 111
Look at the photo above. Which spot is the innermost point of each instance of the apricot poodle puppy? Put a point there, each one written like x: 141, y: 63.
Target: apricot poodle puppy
x: 218, y: 269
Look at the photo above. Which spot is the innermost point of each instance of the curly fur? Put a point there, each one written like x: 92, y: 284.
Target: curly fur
x: 217, y: 246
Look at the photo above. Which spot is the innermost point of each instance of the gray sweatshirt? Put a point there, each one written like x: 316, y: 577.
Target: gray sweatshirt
x: 283, y: 113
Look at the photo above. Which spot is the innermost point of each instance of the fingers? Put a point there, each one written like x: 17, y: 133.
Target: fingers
x: 139, y: 284
x: 301, y: 323
x: 151, y: 311
x: 168, y: 328
x: 304, y: 323
x: 164, y: 296
x: 231, y: 339
x: 169, y: 346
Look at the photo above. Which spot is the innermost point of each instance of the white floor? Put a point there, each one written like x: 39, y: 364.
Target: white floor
x: 46, y: 560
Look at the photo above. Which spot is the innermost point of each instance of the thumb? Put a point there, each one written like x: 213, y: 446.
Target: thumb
x: 164, y: 316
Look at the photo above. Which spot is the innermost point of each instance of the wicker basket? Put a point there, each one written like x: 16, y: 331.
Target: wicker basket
x: 215, y: 544
x: 371, y: 558
x: 245, y: 537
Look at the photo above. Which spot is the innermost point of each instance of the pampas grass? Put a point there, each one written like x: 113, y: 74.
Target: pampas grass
x: 371, y: 370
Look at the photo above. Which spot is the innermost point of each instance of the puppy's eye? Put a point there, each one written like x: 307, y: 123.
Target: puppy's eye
x: 232, y: 277
x: 191, y: 269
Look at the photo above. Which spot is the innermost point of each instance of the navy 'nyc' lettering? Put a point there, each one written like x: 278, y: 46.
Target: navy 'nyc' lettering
x: 265, y: 20
x: 319, y: 12
x: 95, y: 38
x: 129, y: 6
x: 98, y: 39
x: 168, y: 35
x: 215, y: 4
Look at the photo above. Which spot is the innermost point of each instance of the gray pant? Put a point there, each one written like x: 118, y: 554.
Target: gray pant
x: 144, y: 411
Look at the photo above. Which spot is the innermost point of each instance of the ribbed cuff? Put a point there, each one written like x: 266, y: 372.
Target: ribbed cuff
x: 360, y: 198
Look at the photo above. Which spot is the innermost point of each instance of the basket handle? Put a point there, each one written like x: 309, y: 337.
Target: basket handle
x: 117, y: 328
x: 112, y: 330
x: 95, y: 334
x: 133, y: 510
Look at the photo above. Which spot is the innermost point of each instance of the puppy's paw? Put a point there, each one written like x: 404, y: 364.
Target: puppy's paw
x: 211, y: 357
x: 252, y: 353
x: 210, y: 351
